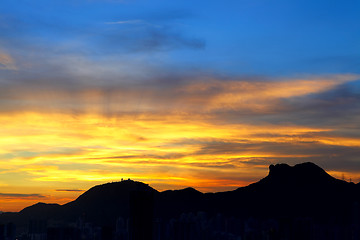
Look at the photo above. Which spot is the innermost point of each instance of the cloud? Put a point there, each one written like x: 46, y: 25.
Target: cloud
x: 81, y: 90
x: 69, y: 190
x: 184, y: 149
x: 21, y: 196
x: 27, y: 154
x: 310, y: 101
x: 157, y: 123
x: 337, y: 106
x: 265, y: 152
x: 7, y: 62
x: 61, y: 37
x: 143, y: 36
x: 136, y: 21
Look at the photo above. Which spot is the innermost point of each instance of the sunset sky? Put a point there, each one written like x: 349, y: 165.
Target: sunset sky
x: 199, y: 93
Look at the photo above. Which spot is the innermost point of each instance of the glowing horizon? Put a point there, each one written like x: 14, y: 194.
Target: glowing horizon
x: 56, y: 150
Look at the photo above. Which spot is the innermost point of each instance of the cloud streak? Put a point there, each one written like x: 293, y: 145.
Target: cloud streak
x: 135, y: 21
x: 22, y: 196
x: 69, y: 190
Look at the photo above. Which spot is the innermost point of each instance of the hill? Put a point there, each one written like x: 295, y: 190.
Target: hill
x: 287, y: 192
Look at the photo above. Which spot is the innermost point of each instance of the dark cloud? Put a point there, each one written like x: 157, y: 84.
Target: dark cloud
x: 21, y: 195
x: 279, y: 148
x: 254, y: 161
x: 336, y: 107
x: 69, y: 190
x: 145, y: 37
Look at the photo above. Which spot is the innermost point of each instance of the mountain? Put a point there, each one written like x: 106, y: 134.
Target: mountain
x: 301, y: 191
x: 107, y: 201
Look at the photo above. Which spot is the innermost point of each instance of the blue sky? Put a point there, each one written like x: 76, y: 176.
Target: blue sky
x: 251, y: 37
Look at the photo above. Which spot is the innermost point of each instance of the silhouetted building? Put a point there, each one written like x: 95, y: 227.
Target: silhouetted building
x: 121, y: 229
x: 141, y: 215
x: 356, y: 221
x: 2, y: 231
x: 37, y: 229
x: 10, y: 231
x: 107, y: 232
x: 7, y: 231
x: 63, y: 233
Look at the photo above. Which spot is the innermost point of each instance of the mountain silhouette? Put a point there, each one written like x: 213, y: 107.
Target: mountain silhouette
x: 287, y: 192
x: 302, y: 190
x: 107, y: 201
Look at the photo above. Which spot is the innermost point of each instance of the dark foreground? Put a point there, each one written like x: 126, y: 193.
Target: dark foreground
x: 300, y: 202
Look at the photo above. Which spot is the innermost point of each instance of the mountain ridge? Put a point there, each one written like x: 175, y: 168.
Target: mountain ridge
x: 278, y: 171
x: 303, y: 190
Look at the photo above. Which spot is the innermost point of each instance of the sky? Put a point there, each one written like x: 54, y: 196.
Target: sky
x: 175, y: 94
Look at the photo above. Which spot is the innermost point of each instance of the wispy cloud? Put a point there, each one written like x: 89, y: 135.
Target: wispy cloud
x: 135, y: 21
x: 7, y: 62
x: 27, y: 154
x: 139, y: 22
